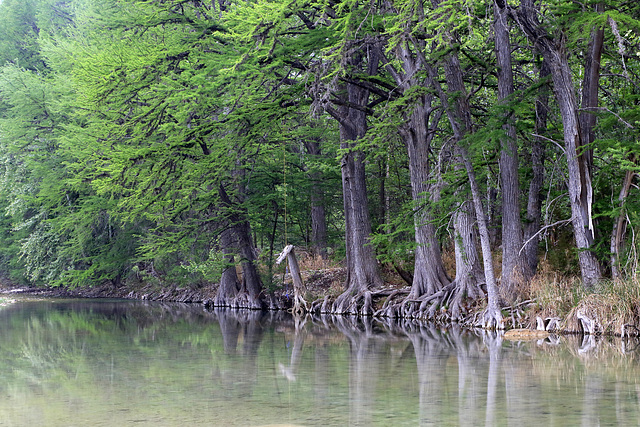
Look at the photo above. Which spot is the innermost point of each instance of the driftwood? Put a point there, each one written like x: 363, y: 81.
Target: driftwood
x: 589, y: 326
x: 525, y: 334
x: 299, y: 304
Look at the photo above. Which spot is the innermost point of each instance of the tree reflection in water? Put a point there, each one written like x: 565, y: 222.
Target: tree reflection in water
x: 466, y: 376
x: 177, y: 364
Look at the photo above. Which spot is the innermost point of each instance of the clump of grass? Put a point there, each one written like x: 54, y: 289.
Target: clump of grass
x: 555, y: 296
x: 609, y: 304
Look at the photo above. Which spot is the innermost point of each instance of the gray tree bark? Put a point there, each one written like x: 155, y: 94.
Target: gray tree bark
x: 514, y: 268
x: 250, y: 292
x: 553, y: 50
x: 459, y: 115
x: 229, y: 285
x: 362, y: 266
x: 469, y: 272
x: 318, y: 213
x: 534, y: 199
x: 417, y: 132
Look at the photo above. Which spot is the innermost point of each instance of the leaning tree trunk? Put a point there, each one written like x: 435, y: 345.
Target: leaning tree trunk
x: 459, y: 114
x: 514, y: 268
x: 492, y: 317
x: 580, y: 187
x: 460, y: 119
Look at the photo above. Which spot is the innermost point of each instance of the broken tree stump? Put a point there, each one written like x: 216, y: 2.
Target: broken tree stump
x: 299, y: 304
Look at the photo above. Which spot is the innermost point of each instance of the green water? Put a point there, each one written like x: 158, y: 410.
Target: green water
x: 110, y: 363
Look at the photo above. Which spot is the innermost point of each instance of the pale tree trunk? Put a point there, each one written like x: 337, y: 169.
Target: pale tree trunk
x: 580, y: 188
x: 492, y: 317
x: 469, y: 273
x: 534, y: 199
x: 514, y: 268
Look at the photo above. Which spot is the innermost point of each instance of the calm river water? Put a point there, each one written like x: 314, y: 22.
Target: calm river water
x: 114, y: 363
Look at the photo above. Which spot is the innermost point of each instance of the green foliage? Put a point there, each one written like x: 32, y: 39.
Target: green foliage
x: 120, y: 121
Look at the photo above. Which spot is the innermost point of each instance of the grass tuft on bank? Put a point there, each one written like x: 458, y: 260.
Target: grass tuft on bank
x: 612, y: 306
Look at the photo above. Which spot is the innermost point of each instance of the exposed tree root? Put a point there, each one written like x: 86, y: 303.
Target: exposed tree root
x: 241, y: 300
x: 447, y: 304
x: 320, y: 306
x: 492, y: 318
x: 300, y: 306
x: 348, y: 304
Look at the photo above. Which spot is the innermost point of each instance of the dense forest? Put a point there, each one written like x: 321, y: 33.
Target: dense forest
x: 467, y: 147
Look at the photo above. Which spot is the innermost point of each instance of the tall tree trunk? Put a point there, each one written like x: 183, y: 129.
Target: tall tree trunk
x: 580, y: 188
x: 362, y: 266
x: 468, y: 270
x: 417, y: 132
x: 534, y: 200
x: 318, y: 213
x: 250, y: 295
x: 619, y: 226
x: 590, y: 94
x: 429, y: 274
x: 459, y: 114
x: 229, y: 285
x: 492, y: 317
x: 514, y: 268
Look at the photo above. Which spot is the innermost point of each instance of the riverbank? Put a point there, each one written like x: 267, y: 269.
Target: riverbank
x: 559, y: 305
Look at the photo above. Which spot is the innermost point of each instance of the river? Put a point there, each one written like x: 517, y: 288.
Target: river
x: 125, y: 363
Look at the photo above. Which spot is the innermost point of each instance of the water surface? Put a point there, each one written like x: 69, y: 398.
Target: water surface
x: 116, y: 363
